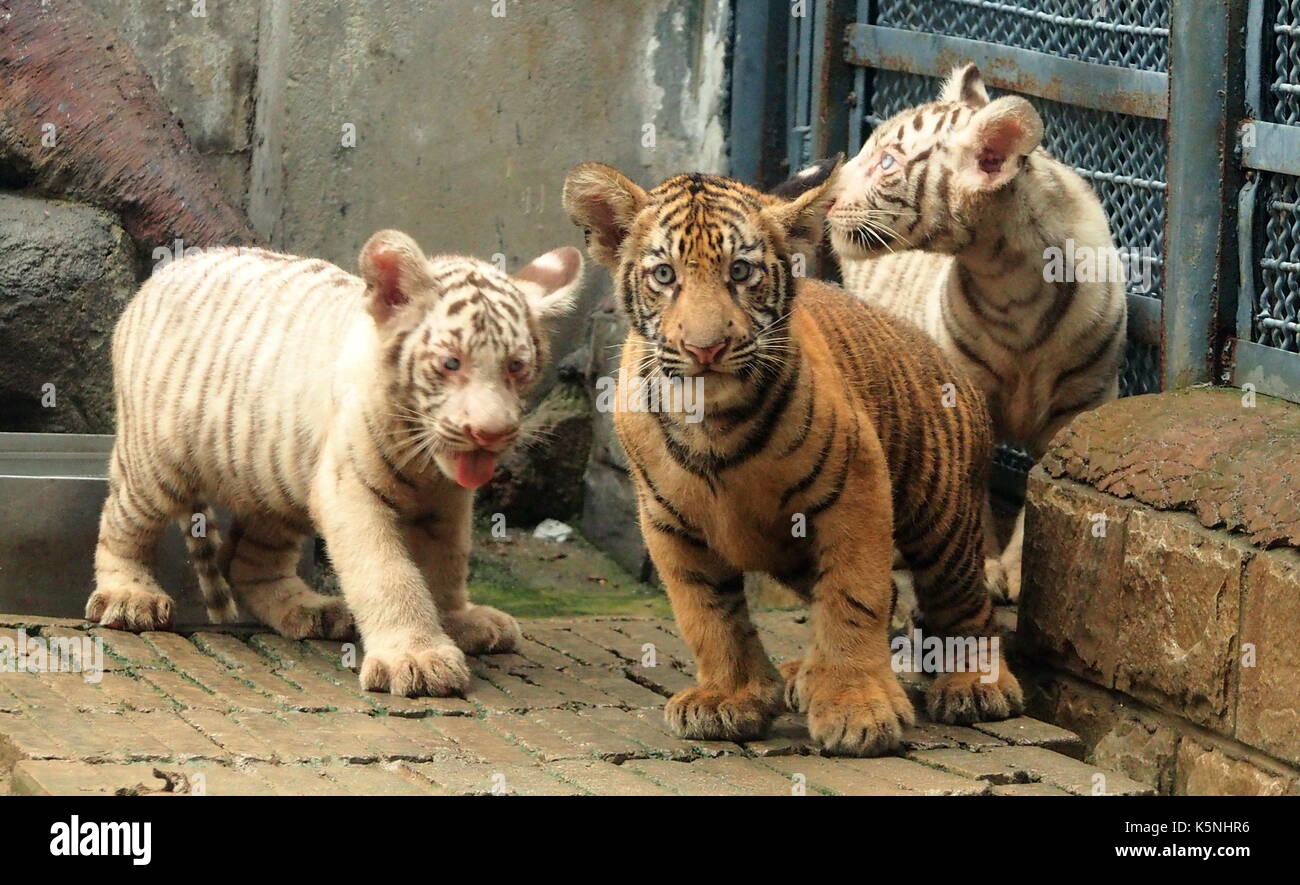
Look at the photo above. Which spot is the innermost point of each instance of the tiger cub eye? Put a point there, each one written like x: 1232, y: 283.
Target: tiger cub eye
x: 741, y: 270
x: 664, y: 274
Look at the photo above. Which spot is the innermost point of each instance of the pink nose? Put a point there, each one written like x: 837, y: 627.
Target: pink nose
x: 707, y: 354
x: 486, y: 437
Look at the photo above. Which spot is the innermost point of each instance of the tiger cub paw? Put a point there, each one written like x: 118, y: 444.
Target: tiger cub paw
x: 998, y: 582
x: 851, y: 712
x: 963, y: 698
x: 707, y: 714
x: 412, y: 665
x: 790, y: 673
x: 134, y: 608
x: 482, y: 629
x: 316, y: 616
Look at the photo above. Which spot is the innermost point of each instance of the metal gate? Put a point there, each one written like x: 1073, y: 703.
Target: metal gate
x: 1189, y: 133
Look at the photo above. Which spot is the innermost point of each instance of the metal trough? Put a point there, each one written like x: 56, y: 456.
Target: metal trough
x: 52, y: 488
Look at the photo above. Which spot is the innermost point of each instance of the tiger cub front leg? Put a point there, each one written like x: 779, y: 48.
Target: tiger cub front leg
x: 440, y: 542
x: 407, y: 652
x: 739, y: 691
x: 854, y: 702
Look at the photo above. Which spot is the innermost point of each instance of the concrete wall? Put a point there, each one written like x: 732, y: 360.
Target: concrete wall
x: 463, y: 116
x: 466, y: 122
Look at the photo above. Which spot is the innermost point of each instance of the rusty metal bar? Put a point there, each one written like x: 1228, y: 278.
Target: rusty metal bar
x: 1085, y: 84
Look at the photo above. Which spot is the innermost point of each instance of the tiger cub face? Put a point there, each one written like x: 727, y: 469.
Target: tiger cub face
x: 703, y: 265
x: 927, y: 176
x: 462, y: 343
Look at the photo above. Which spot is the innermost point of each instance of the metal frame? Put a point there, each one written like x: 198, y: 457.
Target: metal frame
x: 1262, y: 147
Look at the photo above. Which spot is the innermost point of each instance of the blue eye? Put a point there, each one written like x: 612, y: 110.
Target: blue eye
x: 664, y: 274
x: 887, y: 161
x: 451, y: 364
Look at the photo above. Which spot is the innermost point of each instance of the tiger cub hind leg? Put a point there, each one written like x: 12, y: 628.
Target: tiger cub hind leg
x: 126, y: 595
x: 974, y: 683
x: 263, y: 569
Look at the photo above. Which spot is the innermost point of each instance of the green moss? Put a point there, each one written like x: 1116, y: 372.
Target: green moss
x: 540, y: 579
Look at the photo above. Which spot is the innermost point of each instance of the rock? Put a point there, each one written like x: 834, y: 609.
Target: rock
x: 553, y: 530
x: 1206, y: 771
x: 1270, y: 655
x: 543, y: 480
x: 66, y: 273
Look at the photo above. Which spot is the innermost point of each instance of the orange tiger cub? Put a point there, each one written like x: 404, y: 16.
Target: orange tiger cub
x: 302, y: 398
x: 829, y: 434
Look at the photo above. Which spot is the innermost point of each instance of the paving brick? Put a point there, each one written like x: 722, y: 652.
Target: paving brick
x: 329, y: 696
x: 21, y: 737
x: 655, y: 719
x: 295, y: 780
x: 181, y: 739
x: 508, y: 661
x: 426, y: 742
x: 215, y: 677
x: 1027, y: 790
x: 561, y: 734
x: 601, y: 778
x: 1069, y: 774
x: 668, y: 646
x: 977, y: 765
x: 233, y: 739
x: 375, y: 780
x: 521, y: 694
x: 572, y: 689
x: 488, y: 779
x: 288, y: 744
x: 36, y: 623
x: 229, y: 650
x: 187, y: 694
x: 543, y: 656
x: 476, y: 741
x: 354, y: 737
x: 751, y: 776
x: 103, y: 737
x: 581, y: 649
x: 34, y: 691
x: 617, y: 685
x: 129, y: 648
x: 885, y: 776
x: 663, y: 679
x: 653, y: 740
x: 68, y: 778
x: 604, y: 635
x: 684, y: 778
x: 1027, y: 731
x: 135, y: 694
x: 787, y: 736
x: 211, y: 779
x: 937, y: 735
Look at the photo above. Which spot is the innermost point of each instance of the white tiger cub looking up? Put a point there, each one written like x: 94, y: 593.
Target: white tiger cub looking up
x: 950, y: 216
x: 301, y: 398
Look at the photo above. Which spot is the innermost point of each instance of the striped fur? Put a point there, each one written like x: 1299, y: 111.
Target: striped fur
x: 301, y: 398
x: 824, y: 441
x: 947, y: 217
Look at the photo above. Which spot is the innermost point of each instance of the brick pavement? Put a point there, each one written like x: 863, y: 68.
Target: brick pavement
x: 576, y: 710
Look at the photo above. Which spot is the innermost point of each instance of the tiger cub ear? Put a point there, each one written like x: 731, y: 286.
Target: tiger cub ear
x: 965, y: 86
x: 802, y: 218
x: 990, y: 150
x: 395, y: 271
x: 550, y: 281
x: 603, y: 202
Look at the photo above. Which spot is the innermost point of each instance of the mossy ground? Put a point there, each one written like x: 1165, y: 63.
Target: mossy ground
x: 531, y: 578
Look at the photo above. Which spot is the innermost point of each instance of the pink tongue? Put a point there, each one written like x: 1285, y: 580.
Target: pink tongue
x: 474, y: 469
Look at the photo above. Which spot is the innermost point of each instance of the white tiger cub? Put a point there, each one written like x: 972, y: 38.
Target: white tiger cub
x: 300, y: 397
x: 953, y: 216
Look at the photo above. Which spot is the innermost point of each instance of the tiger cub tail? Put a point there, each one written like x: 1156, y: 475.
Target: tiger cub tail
x: 204, y: 547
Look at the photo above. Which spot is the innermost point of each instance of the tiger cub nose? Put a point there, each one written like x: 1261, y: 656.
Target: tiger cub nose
x: 487, y: 436
x: 708, y: 353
